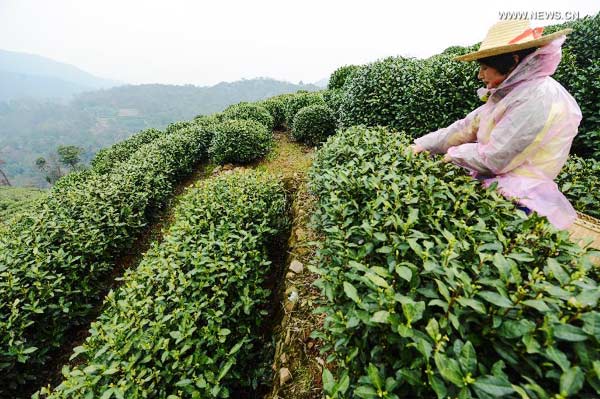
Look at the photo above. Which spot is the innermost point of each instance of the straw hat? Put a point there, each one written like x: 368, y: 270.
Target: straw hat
x: 511, y: 35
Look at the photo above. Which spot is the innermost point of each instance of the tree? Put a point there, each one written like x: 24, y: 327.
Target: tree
x: 68, y: 155
x: 3, y: 178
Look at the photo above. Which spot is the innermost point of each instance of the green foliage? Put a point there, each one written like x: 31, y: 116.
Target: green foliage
x: 54, y: 258
x: 579, y: 181
x: 584, y: 41
x: 250, y: 111
x: 340, y: 75
x: 16, y: 199
x: 69, y: 155
x: 296, y: 102
x: 175, y: 126
x: 107, y: 158
x: 420, y: 96
x: 197, y: 299
x: 208, y: 121
x: 93, y: 120
x: 313, y: 124
x: 436, y: 287
x: 416, y: 96
x: 73, y: 178
x: 158, y: 166
x: 456, y: 51
x: 240, y: 141
x: 276, y: 106
x: 333, y: 99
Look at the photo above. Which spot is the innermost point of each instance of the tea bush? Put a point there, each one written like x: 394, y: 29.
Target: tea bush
x: 421, y: 96
x: 250, y: 111
x: 187, y: 321
x: 157, y: 167
x: 340, y: 75
x: 579, y: 181
x: 16, y: 199
x: 333, y: 99
x: 416, y: 96
x: 73, y: 178
x: 436, y: 287
x: 240, y: 141
x: 173, y: 127
x: 313, y: 124
x: 107, y: 158
x: 296, y: 102
x: 276, y: 106
x: 53, y: 258
x: 584, y: 40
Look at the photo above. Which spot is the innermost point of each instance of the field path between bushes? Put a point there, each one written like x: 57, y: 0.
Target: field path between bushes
x: 291, y: 162
x: 297, y: 366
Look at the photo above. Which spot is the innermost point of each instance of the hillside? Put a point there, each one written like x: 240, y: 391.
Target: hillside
x: 93, y: 120
x: 299, y: 247
x: 32, y: 76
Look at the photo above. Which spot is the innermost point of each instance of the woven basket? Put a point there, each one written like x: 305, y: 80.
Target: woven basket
x: 584, y: 229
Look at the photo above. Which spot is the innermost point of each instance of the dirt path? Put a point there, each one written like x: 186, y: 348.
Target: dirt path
x: 297, y: 366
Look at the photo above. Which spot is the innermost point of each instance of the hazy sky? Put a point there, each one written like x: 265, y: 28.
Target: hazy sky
x: 205, y: 42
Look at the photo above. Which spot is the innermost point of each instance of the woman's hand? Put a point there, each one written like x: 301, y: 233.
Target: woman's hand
x: 417, y: 148
x: 447, y: 158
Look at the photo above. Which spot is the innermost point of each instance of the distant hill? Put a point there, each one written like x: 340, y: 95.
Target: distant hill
x: 27, y: 75
x: 30, y: 128
x: 322, y: 83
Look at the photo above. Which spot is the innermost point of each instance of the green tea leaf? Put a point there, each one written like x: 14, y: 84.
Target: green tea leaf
x: 558, y: 357
x: 351, y: 292
x: 591, y: 324
x: 328, y: 380
x: 537, y: 304
x: 496, y: 299
x: 494, y: 386
x: 468, y: 358
x: 571, y: 381
x: 380, y: 316
x: 567, y: 332
x: 404, y: 272
x: 449, y: 369
x: 374, y: 376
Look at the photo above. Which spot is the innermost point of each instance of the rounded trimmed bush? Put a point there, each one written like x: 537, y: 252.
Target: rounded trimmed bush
x: 240, y: 141
x: 313, y: 124
x: 250, y: 111
x: 411, y: 95
x: 340, y: 75
x: 74, y: 178
x: 208, y: 122
x: 333, y: 98
x: 296, y: 102
x: 175, y: 126
x: 276, y: 106
x: 107, y: 158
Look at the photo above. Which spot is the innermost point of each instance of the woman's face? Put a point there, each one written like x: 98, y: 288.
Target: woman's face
x: 490, y: 76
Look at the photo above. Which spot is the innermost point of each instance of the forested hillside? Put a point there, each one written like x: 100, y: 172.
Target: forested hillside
x: 93, y: 120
